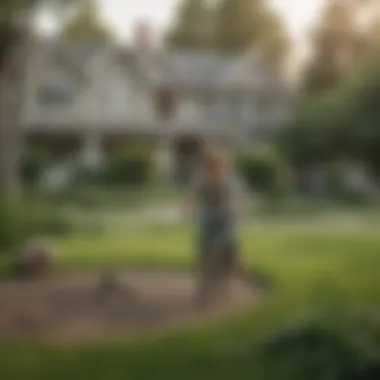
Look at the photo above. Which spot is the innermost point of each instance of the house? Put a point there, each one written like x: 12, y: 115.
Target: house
x: 89, y: 98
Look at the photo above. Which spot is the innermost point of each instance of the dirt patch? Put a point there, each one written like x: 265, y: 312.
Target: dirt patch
x: 87, y: 306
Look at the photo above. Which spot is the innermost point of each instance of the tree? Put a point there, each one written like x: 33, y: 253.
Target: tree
x: 86, y: 25
x: 16, y: 25
x: 229, y: 26
x: 241, y: 24
x: 337, y: 42
x: 193, y: 27
x: 273, y: 38
x: 314, y: 137
x: 341, y: 123
x: 363, y: 108
x: 373, y: 33
x: 238, y: 24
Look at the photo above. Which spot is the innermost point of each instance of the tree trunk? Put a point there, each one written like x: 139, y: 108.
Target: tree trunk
x: 12, y: 81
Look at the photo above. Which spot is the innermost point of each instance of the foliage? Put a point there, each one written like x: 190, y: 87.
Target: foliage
x: 261, y: 170
x: 33, y: 164
x: 363, y: 107
x: 241, y: 24
x: 86, y: 25
x: 312, y: 136
x: 128, y: 168
x: 192, y: 29
x: 342, y: 123
x: 229, y: 26
x: 335, y: 181
x: 16, y: 27
x: 20, y: 221
x: 337, y: 43
x: 313, y: 350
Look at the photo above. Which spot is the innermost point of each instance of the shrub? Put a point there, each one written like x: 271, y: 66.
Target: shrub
x: 128, y: 168
x: 261, y: 171
x: 83, y: 195
x: 313, y: 350
x: 33, y: 164
x: 335, y: 181
x: 10, y: 227
x: 19, y: 222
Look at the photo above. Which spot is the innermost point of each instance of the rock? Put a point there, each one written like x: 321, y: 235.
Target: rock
x: 36, y: 259
x: 109, y: 283
x: 112, y: 291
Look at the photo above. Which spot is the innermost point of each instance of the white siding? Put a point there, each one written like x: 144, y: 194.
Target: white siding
x: 108, y: 94
x: 188, y: 111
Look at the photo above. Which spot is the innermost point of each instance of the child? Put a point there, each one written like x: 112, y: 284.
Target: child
x: 215, y: 195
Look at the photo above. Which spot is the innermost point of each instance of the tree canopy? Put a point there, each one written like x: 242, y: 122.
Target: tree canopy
x: 192, y: 27
x: 344, y: 122
x: 16, y: 26
x: 229, y: 26
x: 337, y: 41
x: 86, y: 25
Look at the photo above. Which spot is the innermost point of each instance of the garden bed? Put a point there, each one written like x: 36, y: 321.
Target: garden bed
x: 85, y: 306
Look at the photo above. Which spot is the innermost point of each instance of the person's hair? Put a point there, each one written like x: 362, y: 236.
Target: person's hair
x: 213, y: 156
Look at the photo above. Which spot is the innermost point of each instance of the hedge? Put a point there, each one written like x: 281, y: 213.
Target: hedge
x: 32, y: 165
x: 128, y: 167
x: 261, y: 170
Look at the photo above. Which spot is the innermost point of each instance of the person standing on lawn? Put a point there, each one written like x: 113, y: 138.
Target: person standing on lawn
x: 217, y: 197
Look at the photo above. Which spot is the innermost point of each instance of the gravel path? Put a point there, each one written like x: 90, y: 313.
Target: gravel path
x: 81, y: 307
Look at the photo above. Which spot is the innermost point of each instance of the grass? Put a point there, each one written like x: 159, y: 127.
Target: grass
x: 127, y: 198
x: 313, y: 268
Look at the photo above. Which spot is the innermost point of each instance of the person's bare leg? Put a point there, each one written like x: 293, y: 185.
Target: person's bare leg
x: 203, y: 294
x: 209, y: 278
x: 227, y: 272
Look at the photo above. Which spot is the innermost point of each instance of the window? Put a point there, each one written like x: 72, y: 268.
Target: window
x: 55, y: 90
x: 53, y: 96
x: 165, y: 103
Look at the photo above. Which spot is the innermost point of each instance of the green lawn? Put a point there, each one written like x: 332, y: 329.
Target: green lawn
x: 312, y: 267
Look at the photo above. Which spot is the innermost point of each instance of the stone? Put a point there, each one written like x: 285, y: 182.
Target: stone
x: 36, y: 259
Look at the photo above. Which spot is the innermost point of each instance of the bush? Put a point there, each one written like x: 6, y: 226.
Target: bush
x: 85, y: 196
x: 128, y: 168
x: 10, y: 227
x: 33, y: 164
x: 312, y: 350
x: 335, y: 181
x: 19, y: 222
x: 261, y: 171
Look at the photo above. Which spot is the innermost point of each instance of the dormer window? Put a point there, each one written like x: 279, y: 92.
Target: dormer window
x: 52, y: 96
x: 56, y: 90
x: 165, y: 103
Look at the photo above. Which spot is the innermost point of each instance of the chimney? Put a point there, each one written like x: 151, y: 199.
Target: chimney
x: 142, y: 34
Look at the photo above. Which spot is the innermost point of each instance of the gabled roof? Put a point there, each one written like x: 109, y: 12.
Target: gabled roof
x: 195, y: 69
x: 189, y: 69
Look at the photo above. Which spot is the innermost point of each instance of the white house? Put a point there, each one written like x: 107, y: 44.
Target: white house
x: 90, y: 97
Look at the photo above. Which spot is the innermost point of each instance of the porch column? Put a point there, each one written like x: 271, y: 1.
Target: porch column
x: 165, y: 159
x: 92, y: 155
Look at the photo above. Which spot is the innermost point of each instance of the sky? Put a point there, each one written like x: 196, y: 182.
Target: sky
x: 121, y: 14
